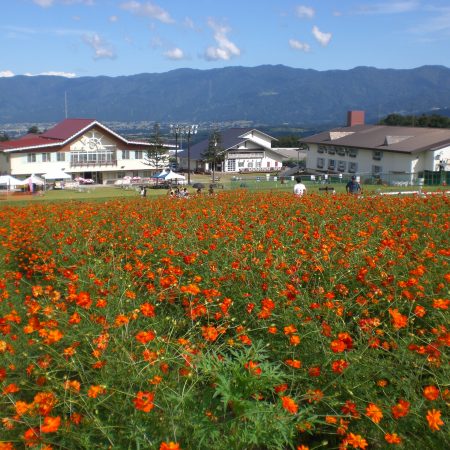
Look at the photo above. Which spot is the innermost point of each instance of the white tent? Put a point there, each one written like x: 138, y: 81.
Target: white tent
x: 10, y: 181
x: 34, y: 179
x: 56, y: 175
x: 163, y: 174
x: 174, y: 176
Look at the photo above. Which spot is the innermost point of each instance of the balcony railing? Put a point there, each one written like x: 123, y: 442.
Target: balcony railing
x: 93, y: 163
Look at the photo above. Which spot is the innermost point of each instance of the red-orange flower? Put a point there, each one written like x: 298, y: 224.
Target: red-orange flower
x: 169, y: 446
x: 144, y: 401
x: 401, y: 409
x: 95, y: 391
x: 210, y: 333
x: 356, y: 441
x: 393, y: 438
x: 373, y: 412
x: 434, y: 419
x: 50, y: 424
x: 431, y: 392
x: 145, y: 336
x: 289, y: 405
x: 398, y: 319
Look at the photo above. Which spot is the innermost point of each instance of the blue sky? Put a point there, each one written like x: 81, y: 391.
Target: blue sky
x: 125, y: 37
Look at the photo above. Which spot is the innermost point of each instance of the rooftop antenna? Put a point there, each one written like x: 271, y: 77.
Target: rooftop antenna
x: 65, y: 103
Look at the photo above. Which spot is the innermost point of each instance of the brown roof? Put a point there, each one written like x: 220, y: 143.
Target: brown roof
x: 383, y: 137
x: 67, y: 128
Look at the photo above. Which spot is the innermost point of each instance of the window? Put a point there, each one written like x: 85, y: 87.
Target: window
x: 321, y: 149
x: 60, y: 156
x: 258, y: 164
x: 125, y: 154
x: 320, y: 163
x: 377, y: 155
x: 31, y: 157
x: 352, y: 152
x: 46, y: 157
x: 240, y: 164
x: 352, y: 167
x: 340, y: 151
x: 138, y: 154
x: 377, y: 170
x: 231, y: 165
x: 342, y: 166
x: 331, y: 164
x: 331, y: 151
x: 250, y: 165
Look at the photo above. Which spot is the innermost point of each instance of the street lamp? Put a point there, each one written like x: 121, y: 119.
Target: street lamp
x: 176, y: 130
x: 189, y: 130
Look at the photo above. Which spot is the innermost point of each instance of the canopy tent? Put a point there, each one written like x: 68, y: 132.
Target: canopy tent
x: 34, y: 179
x: 174, y: 176
x: 163, y: 174
x: 10, y: 181
x: 56, y: 175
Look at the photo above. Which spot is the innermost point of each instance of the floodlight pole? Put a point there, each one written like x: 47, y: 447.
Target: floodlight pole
x: 188, y: 131
x: 176, y: 130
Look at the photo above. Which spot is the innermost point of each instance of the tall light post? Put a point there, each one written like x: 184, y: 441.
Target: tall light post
x: 189, y: 130
x: 176, y: 130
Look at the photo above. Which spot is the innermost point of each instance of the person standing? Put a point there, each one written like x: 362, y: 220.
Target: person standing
x: 353, y: 187
x: 299, y: 187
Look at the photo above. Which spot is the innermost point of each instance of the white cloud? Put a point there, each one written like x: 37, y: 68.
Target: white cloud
x: 189, y: 23
x: 225, y: 49
x: 101, y: 48
x: 113, y: 19
x: 304, y: 12
x: 440, y: 23
x: 53, y: 74
x: 297, y: 45
x: 48, y: 3
x: 392, y: 7
x: 6, y: 74
x: 43, y: 3
x: 174, y: 53
x: 147, y: 10
x: 322, y: 38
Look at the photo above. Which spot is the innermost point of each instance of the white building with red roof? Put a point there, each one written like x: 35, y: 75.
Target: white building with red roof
x: 81, y: 147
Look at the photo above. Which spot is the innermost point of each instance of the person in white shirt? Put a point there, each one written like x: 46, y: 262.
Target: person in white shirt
x: 299, y: 188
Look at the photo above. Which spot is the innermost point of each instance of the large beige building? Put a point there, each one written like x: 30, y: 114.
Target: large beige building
x: 378, y: 150
x: 81, y: 147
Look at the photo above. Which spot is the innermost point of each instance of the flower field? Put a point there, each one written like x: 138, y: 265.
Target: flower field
x: 239, y: 321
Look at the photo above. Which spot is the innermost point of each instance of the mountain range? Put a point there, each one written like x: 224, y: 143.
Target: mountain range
x: 262, y: 95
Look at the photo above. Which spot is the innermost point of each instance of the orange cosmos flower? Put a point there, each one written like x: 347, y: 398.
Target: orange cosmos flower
x: 339, y: 366
x: 169, y: 446
x: 144, y: 401
x: 210, y: 333
x: 295, y: 363
x: 50, y: 424
x: 302, y: 447
x: 434, y: 419
x: 290, y: 329
x: 393, y: 438
x: 401, y: 409
x: 356, y: 441
x: 441, y: 303
x: 121, y: 319
x: 294, y: 340
x: 95, y: 391
x: 253, y: 368
x: 147, y: 310
x: 6, y: 446
x: 145, y: 336
x: 398, y: 319
x: 84, y: 300
x: 373, y: 412
x: 289, y: 405
x: 431, y: 393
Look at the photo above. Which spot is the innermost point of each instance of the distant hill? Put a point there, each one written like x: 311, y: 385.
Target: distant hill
x: 269, y: 94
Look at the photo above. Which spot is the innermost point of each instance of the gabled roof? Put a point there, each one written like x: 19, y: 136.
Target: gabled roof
x: 60, y: 135
x: 383, y: 137
x: 230, y: 138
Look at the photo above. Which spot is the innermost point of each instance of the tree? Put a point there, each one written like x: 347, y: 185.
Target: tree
x: 156, y: 155
x: 3, y: 136
x: 33, y: 130
x: 212, y: 154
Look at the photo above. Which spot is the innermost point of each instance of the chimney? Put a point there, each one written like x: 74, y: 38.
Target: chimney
x: 355, y: 118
